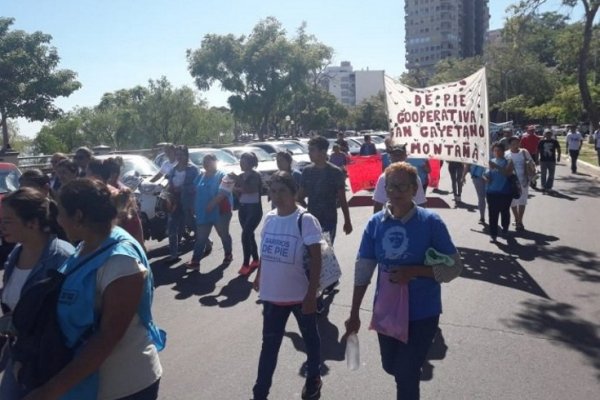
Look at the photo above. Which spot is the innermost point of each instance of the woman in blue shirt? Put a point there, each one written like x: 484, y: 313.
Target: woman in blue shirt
x: 395, y: 243
x: 212, y: 204
x: 498, y: 195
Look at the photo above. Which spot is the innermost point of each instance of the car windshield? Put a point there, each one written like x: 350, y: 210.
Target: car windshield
x: 140, y: 165
x: 261, y: 154
x: 295, y: 148
x: 196, y: 156
x: 9, y: 180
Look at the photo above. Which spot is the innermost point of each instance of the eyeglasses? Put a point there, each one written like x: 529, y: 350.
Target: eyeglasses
x: 398, y: 187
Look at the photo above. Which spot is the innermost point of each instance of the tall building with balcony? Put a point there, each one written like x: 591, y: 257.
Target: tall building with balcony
x: 438, y: 29
x: 352, y: 87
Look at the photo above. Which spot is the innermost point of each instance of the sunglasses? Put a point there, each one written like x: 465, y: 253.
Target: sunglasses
x: 397, y: 187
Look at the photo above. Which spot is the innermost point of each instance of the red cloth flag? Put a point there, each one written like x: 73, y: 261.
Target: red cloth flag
x: 363, y: 172
x: 434, y: 173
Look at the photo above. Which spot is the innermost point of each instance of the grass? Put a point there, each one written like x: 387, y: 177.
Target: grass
x: 587, y: 153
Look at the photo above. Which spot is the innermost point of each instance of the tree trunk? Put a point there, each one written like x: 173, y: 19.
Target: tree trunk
x: 586, y: 97
x: 5, y: 141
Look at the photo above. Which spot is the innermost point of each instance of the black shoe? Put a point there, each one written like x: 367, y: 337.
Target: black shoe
x: 312, y: 389
x: 331, y: 287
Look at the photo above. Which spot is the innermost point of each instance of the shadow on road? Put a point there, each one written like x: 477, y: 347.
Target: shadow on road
x: 581, y: 185
x: 559, y: 322
x: 498, y: 269
x: 560, y: 195
x: 332, y: 347
x: 237, y: 290
x: 187, y: 282
x: 437, y: 351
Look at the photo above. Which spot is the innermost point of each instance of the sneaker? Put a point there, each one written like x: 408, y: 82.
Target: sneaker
x: 520, y: 228
x: 312, y: 389
x: 481, y: 221
x: 245, y: 270
x: 172, y: 259
x: 254, y: 264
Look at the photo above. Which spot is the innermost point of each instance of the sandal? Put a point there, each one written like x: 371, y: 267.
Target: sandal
x: 195, y: 265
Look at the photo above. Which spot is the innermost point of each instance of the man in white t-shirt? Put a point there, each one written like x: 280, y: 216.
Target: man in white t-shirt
x: 168, y: 164
x: 574, y: 143
x: 397, y: 153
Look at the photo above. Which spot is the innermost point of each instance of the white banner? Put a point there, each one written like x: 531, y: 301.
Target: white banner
x: 447, y: 122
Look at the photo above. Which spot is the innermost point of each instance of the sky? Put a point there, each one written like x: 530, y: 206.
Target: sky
x: 118, y: 44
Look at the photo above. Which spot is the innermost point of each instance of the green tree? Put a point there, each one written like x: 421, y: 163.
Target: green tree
x: 371, y: 114
x: 29, y: 78
x: 527, y: 7
x: 259, y: 69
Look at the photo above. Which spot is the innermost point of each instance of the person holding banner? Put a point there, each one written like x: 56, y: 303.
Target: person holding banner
x: 395, y: 242
x: 397, y: 153
x: 456, y: 173
x: 498, y: 190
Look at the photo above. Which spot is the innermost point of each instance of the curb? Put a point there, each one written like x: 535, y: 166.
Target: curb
x: 590, y: 166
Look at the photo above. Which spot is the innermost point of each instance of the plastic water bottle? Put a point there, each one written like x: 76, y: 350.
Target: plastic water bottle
x: 352, y: 352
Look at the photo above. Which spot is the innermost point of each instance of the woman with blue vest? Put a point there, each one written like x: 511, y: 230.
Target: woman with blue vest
x: 498, y: 192
x: 108, y: 292
x: 213, y: 204
x: 29, y: 219
x: 181, y: 188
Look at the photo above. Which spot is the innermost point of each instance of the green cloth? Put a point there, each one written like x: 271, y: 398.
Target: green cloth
x: 434, y: 257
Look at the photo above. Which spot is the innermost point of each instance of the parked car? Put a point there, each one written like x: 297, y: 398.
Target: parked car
x: 298, y: 151
x: 9, y: 181
x: 267, y: 164
x: 379, y: 142
x: 353, y: 146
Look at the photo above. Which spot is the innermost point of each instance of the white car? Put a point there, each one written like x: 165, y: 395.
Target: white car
x: 298, y: 151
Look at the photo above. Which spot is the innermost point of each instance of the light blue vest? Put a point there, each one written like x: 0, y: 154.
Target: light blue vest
x: 76, y: 304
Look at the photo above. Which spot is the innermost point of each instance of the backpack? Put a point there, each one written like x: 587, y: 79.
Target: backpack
x: 39, y: 351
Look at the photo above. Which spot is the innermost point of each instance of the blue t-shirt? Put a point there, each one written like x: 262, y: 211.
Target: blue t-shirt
x: 393, y: 243
x: 476, y: 171
x: 207, y: 188
x: 497, y: 182
x: 419, y: 164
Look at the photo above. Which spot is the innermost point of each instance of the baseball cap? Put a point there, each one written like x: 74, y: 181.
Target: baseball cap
x: 397, y: 148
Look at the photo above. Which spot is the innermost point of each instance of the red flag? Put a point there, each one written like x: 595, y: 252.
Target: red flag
x: 434, y: 173
x: 363, y: 172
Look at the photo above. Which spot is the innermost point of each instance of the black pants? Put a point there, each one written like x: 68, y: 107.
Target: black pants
x: 404, y: 360
x: 456, y: 171
x: 250, y: 216
x: 150, y: 393
x: 498, y: 206
x: 574, y: 154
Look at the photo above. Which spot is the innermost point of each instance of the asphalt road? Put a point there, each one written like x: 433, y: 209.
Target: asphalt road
x: 522, y: 322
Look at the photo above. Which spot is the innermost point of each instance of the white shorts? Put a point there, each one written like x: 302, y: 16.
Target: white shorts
x: 521, y: 201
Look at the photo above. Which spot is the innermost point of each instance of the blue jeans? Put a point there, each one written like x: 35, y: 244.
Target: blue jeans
x: 480, y: 185
x: 250, y: 215
x: 9, y: 388
x: 405, y: 360
x: 329, y: 228
x: 274, y: 320
x: 203, y: 232
x: 175, y: 227
x: 548, y: 168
